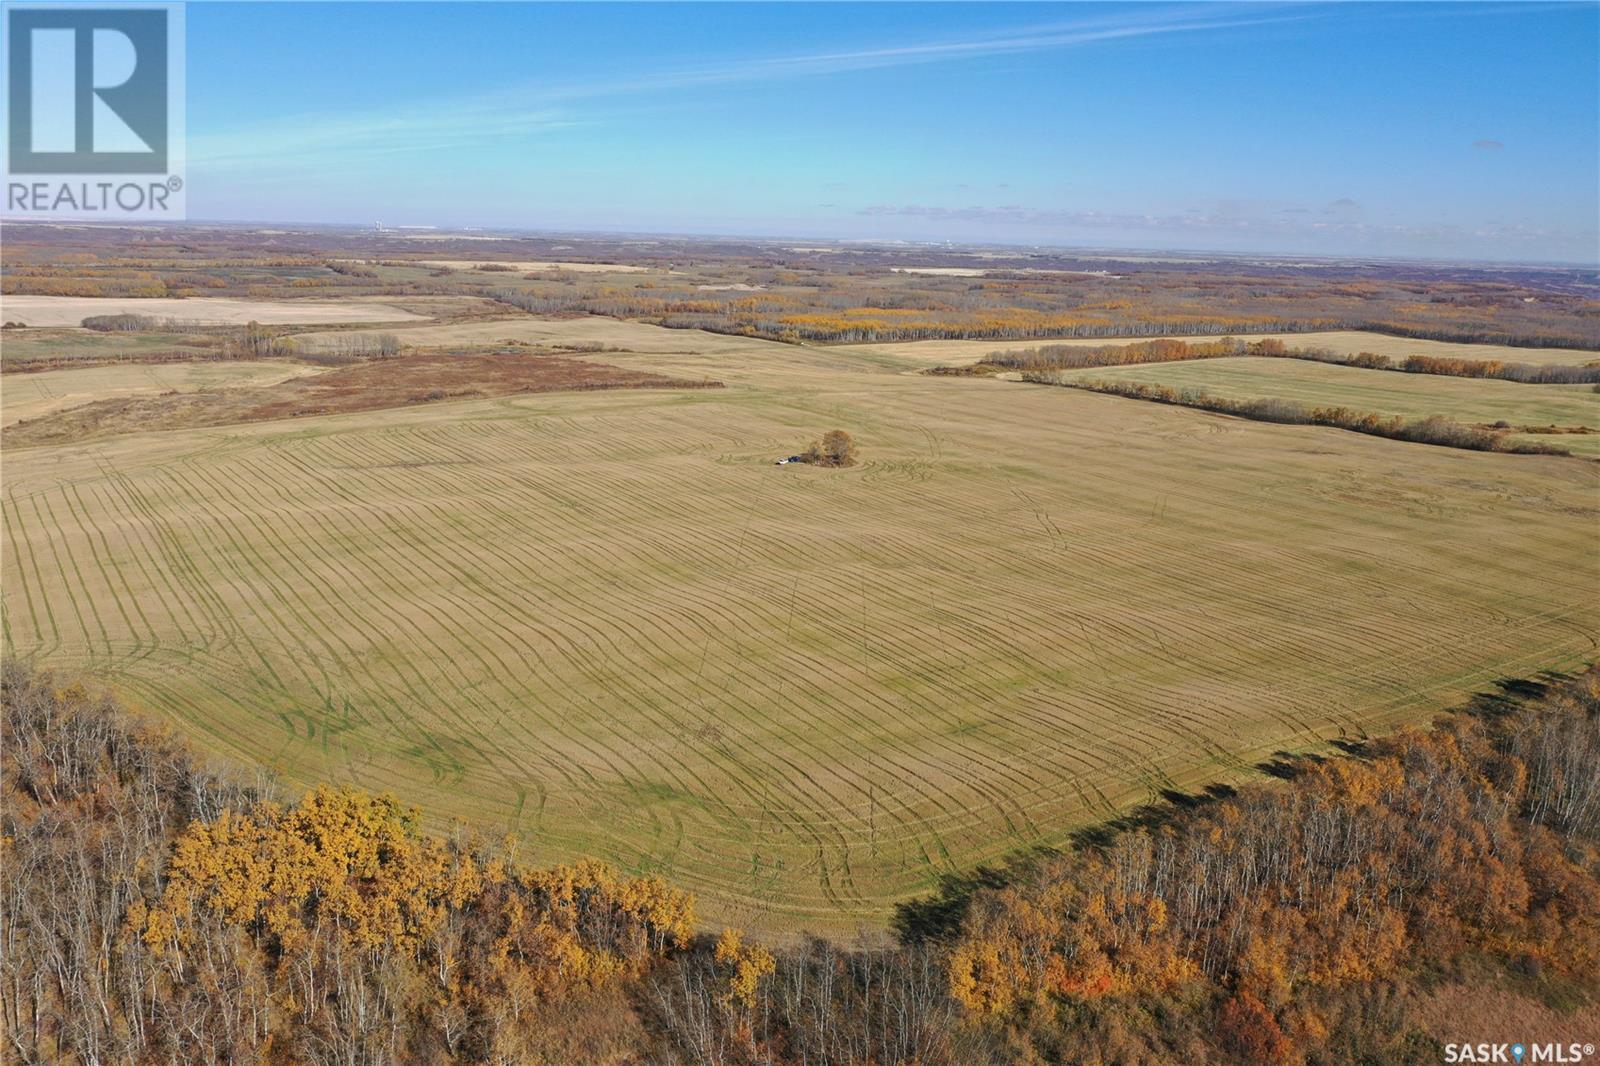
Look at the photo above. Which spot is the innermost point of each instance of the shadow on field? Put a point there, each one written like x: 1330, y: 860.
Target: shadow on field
x: 939, y: 916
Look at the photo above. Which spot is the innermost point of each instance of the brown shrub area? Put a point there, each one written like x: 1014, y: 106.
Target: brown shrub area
x: 367, y: 385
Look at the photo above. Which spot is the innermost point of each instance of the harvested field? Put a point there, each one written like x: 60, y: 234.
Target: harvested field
x: 605, y: 622
x: 24, y: 396
x: 200, y: 310
x: 366, y: 386
x: 1471, y: 400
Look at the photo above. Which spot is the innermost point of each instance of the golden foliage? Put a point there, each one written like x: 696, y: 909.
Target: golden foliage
x: 355, y: 866
x: 748, y: 964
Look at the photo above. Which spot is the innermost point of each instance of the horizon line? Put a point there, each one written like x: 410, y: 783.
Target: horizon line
x: 1101, y: 249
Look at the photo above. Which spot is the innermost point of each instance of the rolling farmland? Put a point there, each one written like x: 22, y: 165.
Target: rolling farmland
x: 607, y: 623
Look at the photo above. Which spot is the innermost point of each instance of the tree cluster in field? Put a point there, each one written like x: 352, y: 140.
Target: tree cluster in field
x: 347, y: 347
x: 836, y: 449
x: 131, y: 323
x: 154, y: 910
x: 1434, y: 429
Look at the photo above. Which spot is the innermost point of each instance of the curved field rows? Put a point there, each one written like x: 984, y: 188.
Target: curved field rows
x: 607, y: 622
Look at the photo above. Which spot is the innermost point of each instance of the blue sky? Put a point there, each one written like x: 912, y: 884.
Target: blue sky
x: 1435, y: 130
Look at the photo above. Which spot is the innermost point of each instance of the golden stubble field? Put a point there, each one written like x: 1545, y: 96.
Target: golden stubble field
x: 607, y: 623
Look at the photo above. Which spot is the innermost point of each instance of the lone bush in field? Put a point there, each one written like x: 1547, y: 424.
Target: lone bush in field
x: 836, y: 449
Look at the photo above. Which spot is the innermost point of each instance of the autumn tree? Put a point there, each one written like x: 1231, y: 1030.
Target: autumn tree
x: 835, y: 449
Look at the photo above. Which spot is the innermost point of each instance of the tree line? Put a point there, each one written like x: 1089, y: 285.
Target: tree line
x: 1074, y: 357
x: 155, y: 909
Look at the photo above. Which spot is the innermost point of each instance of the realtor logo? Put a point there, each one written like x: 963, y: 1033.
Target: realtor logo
x: 88, y: 91
x: 94, y: 92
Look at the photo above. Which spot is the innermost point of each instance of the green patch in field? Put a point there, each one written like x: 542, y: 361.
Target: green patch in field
x: 23, y: 346
x: 1475, y: 401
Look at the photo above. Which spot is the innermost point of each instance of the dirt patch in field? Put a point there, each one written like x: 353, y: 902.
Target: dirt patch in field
x: 367, y: 386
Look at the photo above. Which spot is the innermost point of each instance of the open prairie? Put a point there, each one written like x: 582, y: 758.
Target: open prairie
x: 606, y: 622
x: 1388, y: 393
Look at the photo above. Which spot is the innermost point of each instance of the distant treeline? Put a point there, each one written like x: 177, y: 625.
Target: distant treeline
x: 848, y: 295
x: 154, y: 911
x: 1076, y: 357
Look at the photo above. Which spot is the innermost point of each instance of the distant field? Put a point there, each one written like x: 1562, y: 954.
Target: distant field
x: 205, y: 310
x: 1348, y: 342
x: 31, y: 395
x: 525, y: 264
x: 978, y: 272
x: 606, y: 621
x: 587, y: 329
x: 1475, y: 400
